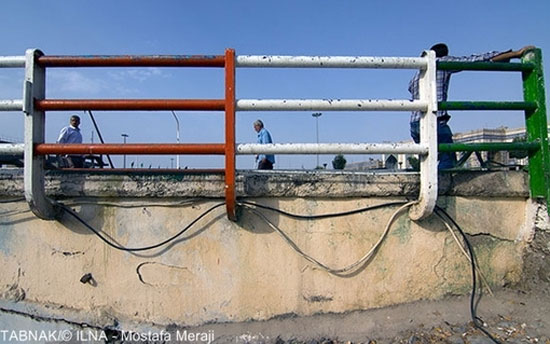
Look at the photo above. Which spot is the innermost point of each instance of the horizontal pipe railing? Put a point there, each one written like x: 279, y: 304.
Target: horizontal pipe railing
x: 329, y: 105
x: 12, y: 61
x: 130, y: 104
x: 12, y: 148
x: 485, y: 66
x: 331, y: 62
x: 487, y: 105
x: 278, y: 148
x: 11, y: 105
x: 134, y: 148
x: 488, y: 146
x: 331, y: 148
x: 133, y: 61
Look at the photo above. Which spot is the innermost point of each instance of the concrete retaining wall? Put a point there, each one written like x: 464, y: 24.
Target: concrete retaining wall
x: 220, y: 271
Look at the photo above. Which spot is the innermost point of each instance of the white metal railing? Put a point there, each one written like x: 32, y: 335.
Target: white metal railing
x: 11, y: 105
x: 12, y: 61
x: 12, y: 148
x: 427, y: 149
x: 34, y: 87
x: 329, y: 105
x: 331, y: 148
x: 331, y: 62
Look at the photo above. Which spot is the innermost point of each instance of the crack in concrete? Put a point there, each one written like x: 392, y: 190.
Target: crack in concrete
x: 494, y: 237
x: 55, y: 320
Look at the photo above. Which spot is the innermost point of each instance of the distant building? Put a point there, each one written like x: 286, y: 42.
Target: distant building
x: 371, y: 164
x: 476, y: 159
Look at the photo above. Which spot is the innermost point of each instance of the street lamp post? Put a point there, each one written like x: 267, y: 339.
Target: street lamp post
x: 177, y: 137
x: 124, y: 156
x: 317, y: 115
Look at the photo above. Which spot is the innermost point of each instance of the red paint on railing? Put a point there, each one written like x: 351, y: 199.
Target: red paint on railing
x: 132, y: 61
x: 134, y: 148
x: 130, y: 104
x: 230, y: 196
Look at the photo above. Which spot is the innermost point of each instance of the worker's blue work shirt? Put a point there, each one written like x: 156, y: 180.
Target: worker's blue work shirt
x: 70, y: 134
x: 265, y: 137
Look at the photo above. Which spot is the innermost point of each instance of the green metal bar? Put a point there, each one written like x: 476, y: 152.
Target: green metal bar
x: 537, y: 127
x: 489, y: 147
x: 487, y: 66
x: 487, y: 105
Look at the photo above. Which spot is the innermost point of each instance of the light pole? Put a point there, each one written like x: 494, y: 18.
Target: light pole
x: 317, y: 115
x: 124, y: 157
x: 177, y: 138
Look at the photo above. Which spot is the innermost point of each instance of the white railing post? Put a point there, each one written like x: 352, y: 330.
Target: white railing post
x: 428, y: 138
x: 34, y: 87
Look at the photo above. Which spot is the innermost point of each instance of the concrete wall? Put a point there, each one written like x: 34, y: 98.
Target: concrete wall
x: 221, y: 271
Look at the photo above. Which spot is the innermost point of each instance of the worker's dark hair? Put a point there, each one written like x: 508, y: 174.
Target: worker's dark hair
x: 440, y: 49
x: 259, y: 122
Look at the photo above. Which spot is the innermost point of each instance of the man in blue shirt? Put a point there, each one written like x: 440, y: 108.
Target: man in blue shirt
x: 71, y: 134
x: 444, y: 133
x: 265, y: 162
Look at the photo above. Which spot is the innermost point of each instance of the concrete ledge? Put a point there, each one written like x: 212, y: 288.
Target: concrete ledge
x: 278, y: 183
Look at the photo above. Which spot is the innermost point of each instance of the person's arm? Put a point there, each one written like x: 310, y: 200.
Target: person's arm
x: 506, y: 56
x: 62, y: 135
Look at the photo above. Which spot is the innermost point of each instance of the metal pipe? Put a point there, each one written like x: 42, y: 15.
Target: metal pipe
x: 130, y: 104
x: 331, y: 148
x: 485, y: 66
x: 135, y: 148
x: 329, y: 105
x: 177, y: 137
x: 100, y: 137
x: 133, y: 61
x: 487, y: 105
x: 229, y: 148
x: 331, y: 62
x: 11, y: 105
x: 317, y: 115
x: 151, y: 170
x: 12, y: 61
x: 12, y: 148
x: 488, y: 146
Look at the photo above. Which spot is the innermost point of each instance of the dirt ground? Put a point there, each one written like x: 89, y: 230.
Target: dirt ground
x: 511, y: 316
x: 515, y: 314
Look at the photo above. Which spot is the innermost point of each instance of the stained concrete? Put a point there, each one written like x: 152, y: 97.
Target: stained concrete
x: 221, y: 271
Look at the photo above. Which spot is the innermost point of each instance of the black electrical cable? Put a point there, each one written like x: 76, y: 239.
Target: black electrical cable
x: 323, y: 216
x: 478, y: 322
x: 13, y: 200
x: 136, y: 249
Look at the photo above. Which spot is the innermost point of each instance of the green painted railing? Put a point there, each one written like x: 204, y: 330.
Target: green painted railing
x: 534, y: 106
x: 489, y: 147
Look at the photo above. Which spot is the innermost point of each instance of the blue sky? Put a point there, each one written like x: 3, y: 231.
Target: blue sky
x: 283, y: 27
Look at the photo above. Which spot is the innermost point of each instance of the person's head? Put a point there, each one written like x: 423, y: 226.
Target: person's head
x: 258, y: 125
x: 74, y: 121
x: 440, y: 49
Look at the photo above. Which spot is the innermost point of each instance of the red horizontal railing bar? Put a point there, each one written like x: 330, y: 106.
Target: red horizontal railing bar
x: 133, y: 148
x: 152, y: 170
x: 130, y: 104
x: 133, y: 61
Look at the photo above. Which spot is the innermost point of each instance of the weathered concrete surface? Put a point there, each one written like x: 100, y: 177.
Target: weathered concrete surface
x: 279, y: 183
x: 220, y: 271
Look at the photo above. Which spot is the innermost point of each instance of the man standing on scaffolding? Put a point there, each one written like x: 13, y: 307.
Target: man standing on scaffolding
x: 444, y: 133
